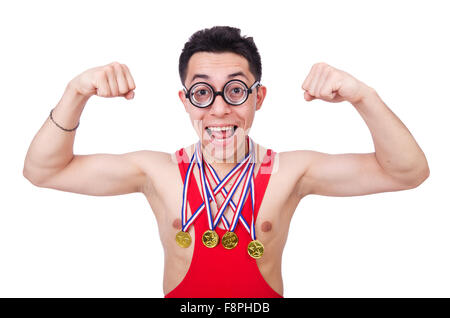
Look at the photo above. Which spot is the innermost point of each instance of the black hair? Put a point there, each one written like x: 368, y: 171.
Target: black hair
x: 219, y: 39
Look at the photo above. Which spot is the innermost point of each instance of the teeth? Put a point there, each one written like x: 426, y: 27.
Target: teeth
x: 221, y: 128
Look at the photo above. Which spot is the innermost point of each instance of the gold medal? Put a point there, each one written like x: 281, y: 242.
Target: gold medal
x: 183, y: 239
x: 255, y: 249
x: 210, y: 238
x: 229, y: 240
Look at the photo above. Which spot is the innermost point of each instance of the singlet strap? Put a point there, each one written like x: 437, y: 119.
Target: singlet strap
x: 182, y: 161
x: 262, y: 178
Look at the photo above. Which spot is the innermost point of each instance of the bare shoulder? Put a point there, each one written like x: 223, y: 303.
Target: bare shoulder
x: 148, y: 159
x: 290, y: 166
x: 282, y: 194
x: 161, y: 169
x: 293, y: 156
x: 155, y: 165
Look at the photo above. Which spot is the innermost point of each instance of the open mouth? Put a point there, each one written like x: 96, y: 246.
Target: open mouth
x: 221, y: 133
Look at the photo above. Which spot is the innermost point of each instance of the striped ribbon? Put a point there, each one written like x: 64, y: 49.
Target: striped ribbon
x: 224, y: 192
x: 208, y: 194
x: 249, y: 184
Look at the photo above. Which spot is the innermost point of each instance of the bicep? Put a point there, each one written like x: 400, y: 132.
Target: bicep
x: 100, y: 174
x: 348, y: 174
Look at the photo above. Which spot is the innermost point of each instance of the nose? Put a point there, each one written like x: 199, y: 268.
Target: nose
x: 220, y: 107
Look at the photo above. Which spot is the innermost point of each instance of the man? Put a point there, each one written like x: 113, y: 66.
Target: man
x: 227, y: 241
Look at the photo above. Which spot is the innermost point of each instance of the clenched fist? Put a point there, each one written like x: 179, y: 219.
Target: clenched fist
x: 332, y: 85
x: 110, y: 80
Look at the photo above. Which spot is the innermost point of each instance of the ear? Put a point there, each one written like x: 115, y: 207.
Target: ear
x: 182, y: 96
x: 260, y: 95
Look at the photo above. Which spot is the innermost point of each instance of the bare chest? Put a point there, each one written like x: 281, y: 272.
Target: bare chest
x: 271, y: 225
x: 273, y: 217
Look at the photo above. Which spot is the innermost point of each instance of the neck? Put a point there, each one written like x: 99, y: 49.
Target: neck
x: 225, y: 164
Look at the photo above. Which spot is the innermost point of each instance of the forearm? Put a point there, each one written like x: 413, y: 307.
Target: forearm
x: 396, y: 150
x: 52, y: 148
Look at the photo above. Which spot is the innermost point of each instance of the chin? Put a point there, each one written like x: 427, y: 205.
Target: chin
x: 225, y: 149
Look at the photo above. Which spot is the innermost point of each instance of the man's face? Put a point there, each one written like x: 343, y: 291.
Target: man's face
x: 221, y: 127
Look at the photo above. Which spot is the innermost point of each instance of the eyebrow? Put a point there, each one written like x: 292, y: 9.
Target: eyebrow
x: 237, y: 74
x: 204, y: 76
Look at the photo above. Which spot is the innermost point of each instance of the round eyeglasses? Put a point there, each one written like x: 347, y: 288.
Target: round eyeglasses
x: 234, y: 92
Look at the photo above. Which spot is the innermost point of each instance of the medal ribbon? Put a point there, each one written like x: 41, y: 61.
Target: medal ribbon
x: 252, y: 193
x: 230, y: 194
x: 207, y: 193
x: 187, y: 223
x: 184, y: 221
x: 248, y: 183
x: 224, y: 192
x: 221, y: 186
x: 243, y: 196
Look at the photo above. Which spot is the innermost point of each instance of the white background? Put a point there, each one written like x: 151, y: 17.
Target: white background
x: 59, y: 244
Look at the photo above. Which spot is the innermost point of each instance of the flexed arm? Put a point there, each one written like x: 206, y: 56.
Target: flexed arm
x: 398, y: 162
x: 50, y: 161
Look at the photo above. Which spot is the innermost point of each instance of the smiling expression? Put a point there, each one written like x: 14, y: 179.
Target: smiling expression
x: 221, y: 127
